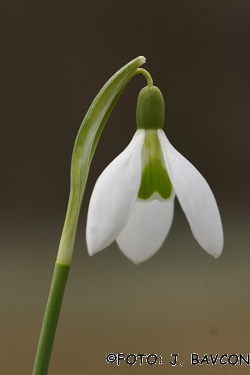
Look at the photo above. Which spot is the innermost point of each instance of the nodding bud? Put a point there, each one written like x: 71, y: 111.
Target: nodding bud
x: 150, y: 111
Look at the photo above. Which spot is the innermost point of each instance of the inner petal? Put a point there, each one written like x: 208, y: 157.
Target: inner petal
x: 155, y: 182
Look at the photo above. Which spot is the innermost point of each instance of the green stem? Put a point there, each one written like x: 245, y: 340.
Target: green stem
x: 146, y: 74
x: 51, y: 318
x: 84, y: 148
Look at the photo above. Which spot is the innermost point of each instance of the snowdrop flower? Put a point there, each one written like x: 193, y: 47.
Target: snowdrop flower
x: 133, y: 199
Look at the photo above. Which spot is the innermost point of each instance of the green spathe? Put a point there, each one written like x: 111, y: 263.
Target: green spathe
x: 84, y: 148
x: 155, y: 180
x: 150, y: 111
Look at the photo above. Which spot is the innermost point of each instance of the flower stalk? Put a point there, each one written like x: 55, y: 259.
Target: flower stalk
x: 84, y: 148
x: 146, y: 74
x: 51, y: 318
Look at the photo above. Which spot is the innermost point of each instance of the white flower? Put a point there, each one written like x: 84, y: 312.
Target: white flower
x: 133, y: 199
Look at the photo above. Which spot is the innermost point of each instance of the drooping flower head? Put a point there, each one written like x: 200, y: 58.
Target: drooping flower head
x: 133, y: 199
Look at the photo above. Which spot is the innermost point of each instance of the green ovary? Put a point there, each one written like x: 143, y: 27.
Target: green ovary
x: 155, y: 179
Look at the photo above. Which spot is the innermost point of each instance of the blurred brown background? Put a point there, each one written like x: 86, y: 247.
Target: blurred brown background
x: 55, y: 56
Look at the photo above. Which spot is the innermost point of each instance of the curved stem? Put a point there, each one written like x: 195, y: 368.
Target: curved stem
x: 146, y: 74
x: 84, y: 148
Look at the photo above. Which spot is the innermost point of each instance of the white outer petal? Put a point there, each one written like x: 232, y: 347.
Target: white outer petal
x: 114, y: 196
x: 195, y: 197
x: 146, y: 229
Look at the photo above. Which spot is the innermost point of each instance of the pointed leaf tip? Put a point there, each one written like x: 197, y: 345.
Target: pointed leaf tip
x: 142, y: 59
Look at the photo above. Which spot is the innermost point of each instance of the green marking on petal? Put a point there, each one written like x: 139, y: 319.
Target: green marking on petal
x: 155, y: 179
